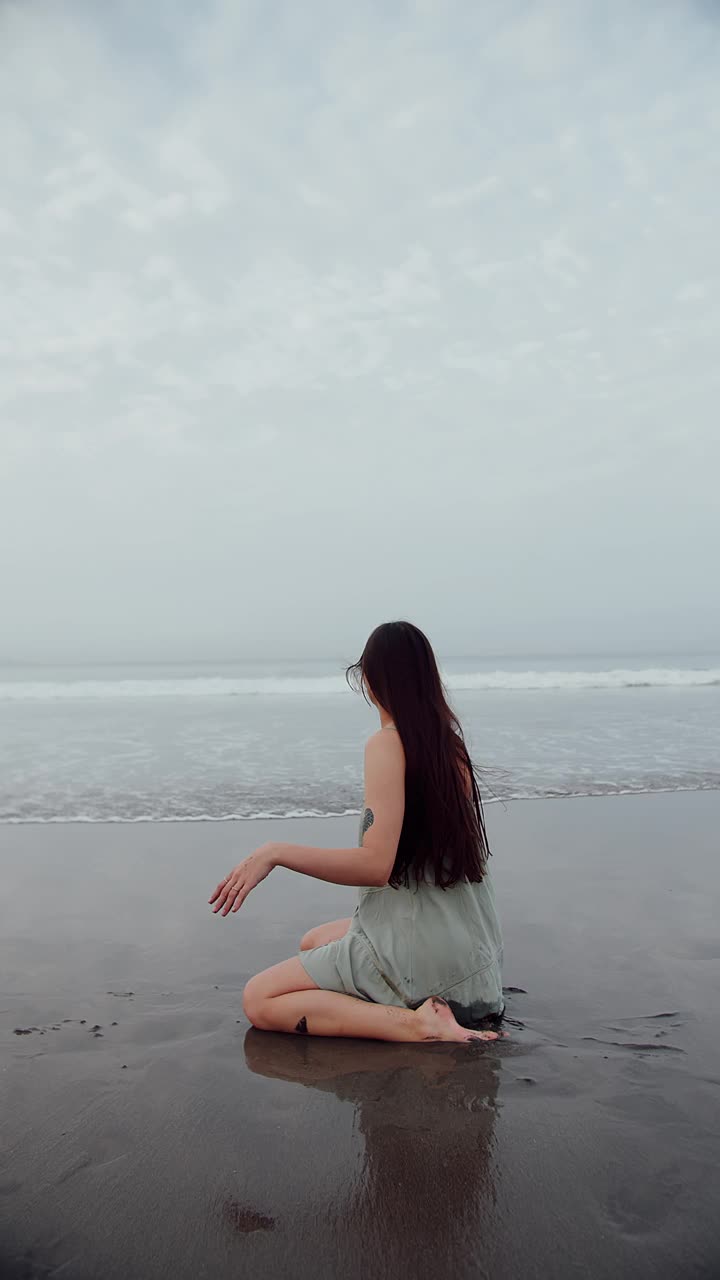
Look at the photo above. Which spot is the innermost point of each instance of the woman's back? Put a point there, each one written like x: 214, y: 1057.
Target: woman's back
x: 426, y: 940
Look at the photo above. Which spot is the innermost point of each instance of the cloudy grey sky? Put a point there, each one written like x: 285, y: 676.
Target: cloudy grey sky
x: 316, y: 315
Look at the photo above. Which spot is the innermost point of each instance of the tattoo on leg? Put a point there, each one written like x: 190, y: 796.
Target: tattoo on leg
x: 302, y: 1026
x: 367, y: 820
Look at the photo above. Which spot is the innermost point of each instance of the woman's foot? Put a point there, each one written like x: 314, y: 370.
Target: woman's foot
x: 437, y: 1022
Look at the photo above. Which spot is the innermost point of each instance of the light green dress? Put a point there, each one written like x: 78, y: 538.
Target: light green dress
x: 406, y: 944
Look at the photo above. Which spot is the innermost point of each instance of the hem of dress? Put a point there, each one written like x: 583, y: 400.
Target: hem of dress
x: 483, y: 969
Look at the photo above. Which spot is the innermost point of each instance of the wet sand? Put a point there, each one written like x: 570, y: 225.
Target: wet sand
x: 148, y: 1132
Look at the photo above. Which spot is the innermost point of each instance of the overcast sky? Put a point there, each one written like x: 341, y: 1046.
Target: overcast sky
x: 318, y: 314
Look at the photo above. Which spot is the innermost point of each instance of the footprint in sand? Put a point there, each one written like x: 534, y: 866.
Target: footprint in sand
x: 246, y: 1220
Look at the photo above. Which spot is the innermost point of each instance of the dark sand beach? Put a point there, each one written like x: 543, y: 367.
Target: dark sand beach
x: 148, y: 1131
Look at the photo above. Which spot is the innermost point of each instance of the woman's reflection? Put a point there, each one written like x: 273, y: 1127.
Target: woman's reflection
x: 426, y: 1114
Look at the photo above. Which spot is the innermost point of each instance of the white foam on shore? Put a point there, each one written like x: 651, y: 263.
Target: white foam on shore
x: 248, y: 686
x: 265, y: 816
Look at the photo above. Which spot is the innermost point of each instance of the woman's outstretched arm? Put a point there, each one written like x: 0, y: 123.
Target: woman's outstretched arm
x: 339, y: 866
x: 366, y: 865
x: 370, y: 863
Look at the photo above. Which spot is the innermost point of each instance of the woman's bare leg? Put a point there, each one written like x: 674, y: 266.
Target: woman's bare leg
x: 284, y: 998
x: 322, y: 933
x: 328, y: 1013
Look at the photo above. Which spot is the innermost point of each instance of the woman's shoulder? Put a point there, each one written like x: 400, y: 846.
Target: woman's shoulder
x: 384, y: 748
x: 385, y: 739
x: 386, y: 743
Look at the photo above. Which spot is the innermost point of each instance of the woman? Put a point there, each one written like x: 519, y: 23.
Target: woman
x: 422, y: 953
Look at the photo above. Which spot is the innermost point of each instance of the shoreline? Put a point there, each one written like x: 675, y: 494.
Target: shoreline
x: 345, y: 813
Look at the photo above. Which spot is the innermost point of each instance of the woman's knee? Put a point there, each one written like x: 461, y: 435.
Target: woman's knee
x: 253, y: 1001
x: 279, y: 980
x: 324, y: 933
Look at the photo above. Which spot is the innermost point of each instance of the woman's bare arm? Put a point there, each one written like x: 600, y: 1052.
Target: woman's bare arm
x: 370, y: 863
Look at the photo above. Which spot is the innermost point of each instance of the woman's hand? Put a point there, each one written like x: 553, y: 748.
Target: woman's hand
x: 234, y: 889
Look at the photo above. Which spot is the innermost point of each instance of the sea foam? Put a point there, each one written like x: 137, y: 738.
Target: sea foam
x: 315, y: 686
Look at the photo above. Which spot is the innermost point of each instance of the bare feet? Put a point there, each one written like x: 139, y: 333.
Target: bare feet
x: 437, y: 1022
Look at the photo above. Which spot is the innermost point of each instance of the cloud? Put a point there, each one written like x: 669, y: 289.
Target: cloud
x: 465, y: 195
x: 447, y: 250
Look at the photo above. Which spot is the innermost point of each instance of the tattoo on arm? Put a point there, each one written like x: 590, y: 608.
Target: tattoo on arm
x: 367, y: 820
x: 302, y: 1026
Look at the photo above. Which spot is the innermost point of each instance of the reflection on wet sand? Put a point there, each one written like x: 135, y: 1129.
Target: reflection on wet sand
x: 426, y: 1114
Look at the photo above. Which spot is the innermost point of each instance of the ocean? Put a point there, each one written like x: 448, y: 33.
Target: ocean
x: 213, y: 741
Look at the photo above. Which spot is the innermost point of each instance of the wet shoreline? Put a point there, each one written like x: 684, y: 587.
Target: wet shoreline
x: 148, y: 1131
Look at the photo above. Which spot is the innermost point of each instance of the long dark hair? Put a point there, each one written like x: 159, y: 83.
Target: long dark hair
x: 443, y: 828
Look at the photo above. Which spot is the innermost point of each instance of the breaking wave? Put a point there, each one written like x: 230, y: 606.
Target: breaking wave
x: 248, y: 686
